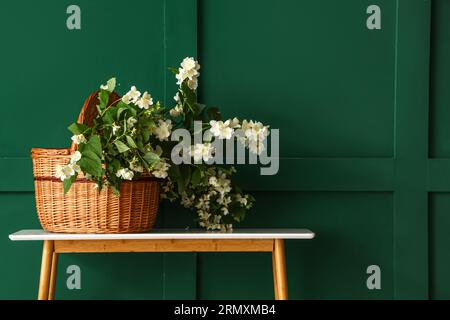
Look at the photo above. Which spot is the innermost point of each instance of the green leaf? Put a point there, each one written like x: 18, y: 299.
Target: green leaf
x: 198, y: 108
x: 121, y: 104
x: 91, y: 163
x: 108, y: 117
x: 184, y: 178
x: 68, y: 182
x: 196, y: 177
x: 112, y: 151
x: 119, y: 111
x: 188, y: 120
x: 189, y: 94
x: 213, y: 114
x: 78, y: 128
x: 122, y: 147
x: 239, y: 214
x: 228, y: 219
x: 147, y: 122
x: 145, y: 135
x: 151, y: 158
x: 94, y: 145
x: 132, y: 112
x: 111, y: 84
x: 103, y: 97
x: 131, y: 142
x: 173, y: 70
x: 115, y: 164
x: 174, y: 172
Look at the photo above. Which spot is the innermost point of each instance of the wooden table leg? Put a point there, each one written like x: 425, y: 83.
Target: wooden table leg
x: 279, y: 268
x: 51, y: 290
x: 46, y: 266
x: 274, y: 267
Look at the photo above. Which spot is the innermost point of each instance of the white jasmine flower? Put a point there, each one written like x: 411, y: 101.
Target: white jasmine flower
x: 203, y: 203
x: 217, y: 219
x: 186, y: 201
x: 213, y: 181
x: 125, y: 174
x: 167, y: 187
x: 177, y: 97
x: 211, y: 193
x: 202, y: 152
x: 175, y: 112
x: 225, y: 201
x: 235, y: 123
x: 223, y: 184
x: 189, y: 70
x: 203, y: 215
x: 75, y: 167
x: 128, y: 175
x: 225, y: 210
x: 255, y: 134
x: 126, y: 99
x: 220, y: 129
x: 188, y: 63
x: 131, y: 122
x: 162, y: 132
x: 78, y: 138
x: 132, y: 96
x: 67, y: 171
x: 193, y: 84
x: 145, y: 101
x: 256, y: 147
x: 60, y: 172
x: 255, y: 130
x: 181, y: 76
x: 242, y: 200
x: 75, y: 157
x: 160, y: 169
x: 136, y: 167
x: 115, y: 128
x: 207, y: 136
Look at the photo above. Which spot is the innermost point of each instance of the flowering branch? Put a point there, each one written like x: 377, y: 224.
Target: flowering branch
x: 130, y: 138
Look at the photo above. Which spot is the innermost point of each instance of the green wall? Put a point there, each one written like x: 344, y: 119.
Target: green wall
x: 364, y: 145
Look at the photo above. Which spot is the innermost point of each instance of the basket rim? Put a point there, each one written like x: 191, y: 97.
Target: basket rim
x: 84, y: 180
x: 49, y: 152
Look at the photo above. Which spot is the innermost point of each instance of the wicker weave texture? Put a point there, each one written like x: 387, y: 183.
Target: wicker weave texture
x: 84, y: 209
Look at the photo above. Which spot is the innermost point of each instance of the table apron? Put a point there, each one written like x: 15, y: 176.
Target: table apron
x: 164, y: 245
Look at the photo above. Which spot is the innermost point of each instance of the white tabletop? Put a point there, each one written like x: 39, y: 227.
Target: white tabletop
x: 168, y: 234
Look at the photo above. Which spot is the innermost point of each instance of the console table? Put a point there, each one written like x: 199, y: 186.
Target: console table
x: 163, y: 240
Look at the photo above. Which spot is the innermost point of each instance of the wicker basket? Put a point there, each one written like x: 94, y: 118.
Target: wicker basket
x: 84, y: 209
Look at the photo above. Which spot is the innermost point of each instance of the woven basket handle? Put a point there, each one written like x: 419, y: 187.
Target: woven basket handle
x: 89, y: 112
